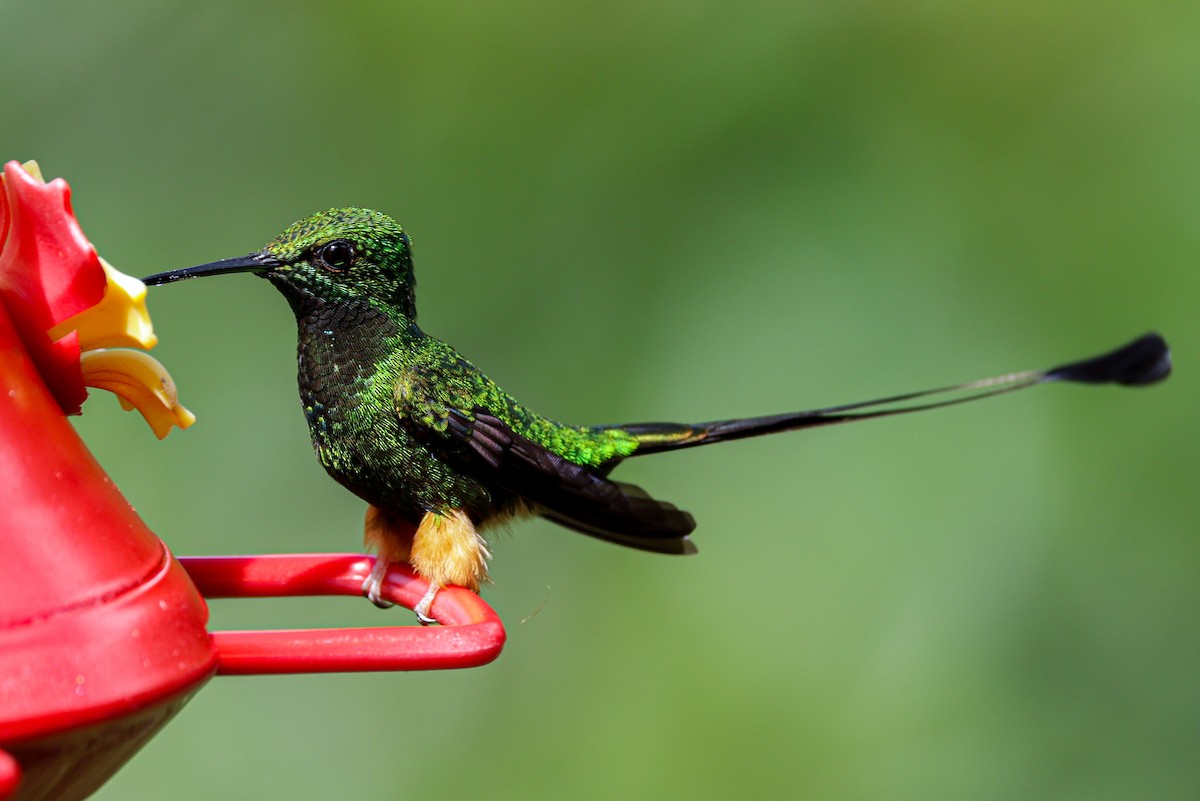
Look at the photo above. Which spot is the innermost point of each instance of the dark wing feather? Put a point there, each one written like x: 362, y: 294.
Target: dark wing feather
x: 572, y: 495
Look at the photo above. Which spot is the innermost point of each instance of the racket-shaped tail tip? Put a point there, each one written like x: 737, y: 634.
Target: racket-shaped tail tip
x: 1144, y: 361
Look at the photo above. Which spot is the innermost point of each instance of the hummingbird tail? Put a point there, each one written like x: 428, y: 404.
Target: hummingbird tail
x: 1143, y: 361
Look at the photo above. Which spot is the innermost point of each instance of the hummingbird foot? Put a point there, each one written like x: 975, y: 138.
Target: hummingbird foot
x: 390, y: 537
x: 423, y: 605
x: 372, y: 588
x: 443, y: 549
x: 447, y: 550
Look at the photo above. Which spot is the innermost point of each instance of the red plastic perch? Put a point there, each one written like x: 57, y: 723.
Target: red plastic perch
x: 471, y: 633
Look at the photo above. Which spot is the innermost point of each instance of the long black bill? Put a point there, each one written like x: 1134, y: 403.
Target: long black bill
x: 253, y: 263
x: 1143, y: 361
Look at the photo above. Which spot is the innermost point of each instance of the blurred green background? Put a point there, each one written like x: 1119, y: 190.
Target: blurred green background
x: 633, y: 211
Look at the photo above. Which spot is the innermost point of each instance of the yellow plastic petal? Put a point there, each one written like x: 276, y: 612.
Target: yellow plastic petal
x: 34, y: 170
x: 119, y: 320
x: 141, y: 383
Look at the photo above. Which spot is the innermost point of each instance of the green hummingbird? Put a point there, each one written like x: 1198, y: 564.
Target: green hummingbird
x: 440, y: 453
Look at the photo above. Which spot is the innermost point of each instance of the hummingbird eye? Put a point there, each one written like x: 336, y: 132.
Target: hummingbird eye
x: 337, y: 254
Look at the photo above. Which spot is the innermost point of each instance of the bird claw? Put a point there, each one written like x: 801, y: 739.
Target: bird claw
x: 372, y: 588
x: 382, y: 603
x: 423, y: 606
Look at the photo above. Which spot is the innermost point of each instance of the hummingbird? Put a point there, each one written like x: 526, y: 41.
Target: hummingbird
x: 441, y: 454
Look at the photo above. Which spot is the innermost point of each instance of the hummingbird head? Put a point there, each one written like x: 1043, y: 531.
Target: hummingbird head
x: 347, y: 256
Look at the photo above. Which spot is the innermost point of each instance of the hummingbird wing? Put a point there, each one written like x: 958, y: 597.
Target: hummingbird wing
x: 482, y: 445
x: 573, y: 495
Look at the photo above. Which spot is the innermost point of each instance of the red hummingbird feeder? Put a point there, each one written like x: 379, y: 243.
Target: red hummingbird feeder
x: 103, y: 633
